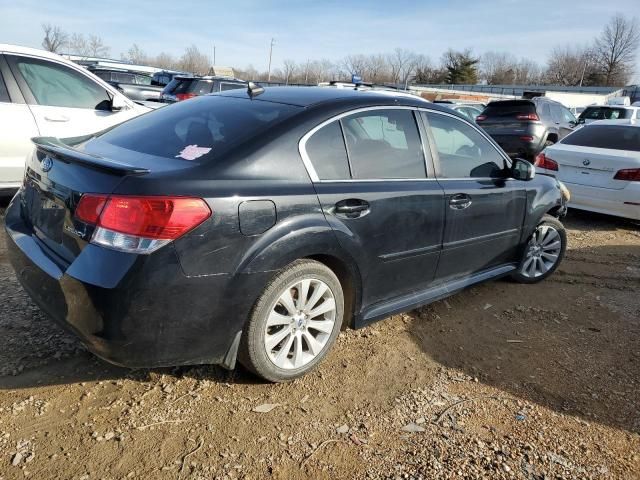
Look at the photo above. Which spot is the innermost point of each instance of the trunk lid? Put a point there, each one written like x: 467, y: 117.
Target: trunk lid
x: 56, y: 176
x: 590, y: 166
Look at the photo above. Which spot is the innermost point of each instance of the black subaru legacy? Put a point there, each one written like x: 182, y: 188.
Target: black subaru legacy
x: 254, y: 224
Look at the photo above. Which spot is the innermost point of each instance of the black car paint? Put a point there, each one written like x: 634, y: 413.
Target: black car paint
x: 187, y: 302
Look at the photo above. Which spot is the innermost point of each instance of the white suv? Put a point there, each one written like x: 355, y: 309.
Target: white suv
x: 42, y: 94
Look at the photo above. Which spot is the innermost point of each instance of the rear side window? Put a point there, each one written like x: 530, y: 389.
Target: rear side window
x: 328, y: 154
x: 224, y: 86
x: 384, y: 144
x: 509, y: 108
x: 616, y: 137
x: 204, y: 127
x: 462, y: 150
x: 197, y: 87
x: 60, y: 86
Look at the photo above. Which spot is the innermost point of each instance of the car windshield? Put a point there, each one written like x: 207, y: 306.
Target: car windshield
x: 605, y: 113
x: 616, y: 137
x: 204, y: 127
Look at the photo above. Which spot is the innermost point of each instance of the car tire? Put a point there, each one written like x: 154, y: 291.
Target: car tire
x: 285, y: 336
x: 543, y: 253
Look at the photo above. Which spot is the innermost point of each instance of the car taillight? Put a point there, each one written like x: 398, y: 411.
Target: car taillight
x: 140, y: 224
x: 526, y: 138
x: 480, y: 118
x: 527, y: 116
x: 543, y: 161
x: 184, y: 96
x: 629, y: 174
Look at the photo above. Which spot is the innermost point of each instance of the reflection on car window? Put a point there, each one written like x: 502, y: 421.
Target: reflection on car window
x: 463, y: 151
x: 384, y: 144
x: 59, y: 86
x: 328, y: 154
x: 4, y: 95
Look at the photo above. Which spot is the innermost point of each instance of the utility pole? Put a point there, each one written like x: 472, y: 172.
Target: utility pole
x: 214, y: 54
x: 270, y: 55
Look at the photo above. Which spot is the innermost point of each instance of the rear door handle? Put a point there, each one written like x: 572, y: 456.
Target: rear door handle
x: 56, y: 118
x: 459, y: 201
x: 352, y: 208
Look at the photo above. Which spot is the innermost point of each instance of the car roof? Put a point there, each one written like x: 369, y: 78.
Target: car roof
x: 626, y: 122
x: 309, y: 96
x: 35, y: 52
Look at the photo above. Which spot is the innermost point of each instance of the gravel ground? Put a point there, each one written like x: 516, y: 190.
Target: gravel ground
x: 499, y: 381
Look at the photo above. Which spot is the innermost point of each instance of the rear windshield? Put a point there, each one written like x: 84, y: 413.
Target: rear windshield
x: 509, y: 109
x: 616, y: 137
x: 605, y: 113
x: 202, y: 128
x: 198, y: 87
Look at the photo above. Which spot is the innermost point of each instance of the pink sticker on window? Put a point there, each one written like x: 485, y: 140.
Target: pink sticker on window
x: 191, y: 152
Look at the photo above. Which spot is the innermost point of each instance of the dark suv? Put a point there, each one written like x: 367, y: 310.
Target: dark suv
x: 256, y: 223
x: 523, y: 128
x: 185, y: 87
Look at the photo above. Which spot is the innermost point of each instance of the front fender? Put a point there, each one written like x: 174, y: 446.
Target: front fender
x: 543, y: 197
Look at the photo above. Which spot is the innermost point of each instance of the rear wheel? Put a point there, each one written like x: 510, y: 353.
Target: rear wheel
x: 294, y: 323
x: 543, y: 253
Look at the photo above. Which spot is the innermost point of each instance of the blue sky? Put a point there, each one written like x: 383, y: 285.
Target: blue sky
x: 242, y: 30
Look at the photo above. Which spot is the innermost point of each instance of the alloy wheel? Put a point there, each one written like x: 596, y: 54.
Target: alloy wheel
x: 300, y: 324
x: 542, y: 252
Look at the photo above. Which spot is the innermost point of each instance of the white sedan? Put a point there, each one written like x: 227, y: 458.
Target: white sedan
x: 600, y: 164
x: 43, y: 94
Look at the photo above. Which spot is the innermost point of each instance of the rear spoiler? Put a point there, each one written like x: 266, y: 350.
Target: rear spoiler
x: 59, y: 150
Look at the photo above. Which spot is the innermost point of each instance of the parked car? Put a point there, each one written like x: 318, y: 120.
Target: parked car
x: 594, y: 113
x: 600, y: 164
x: 133, y: 85
x: 184, y: 88
x: 471, y: 111
x: 256, y: 223
x: 43, y: 94
x: 524, y: 127
x: 163, y: 78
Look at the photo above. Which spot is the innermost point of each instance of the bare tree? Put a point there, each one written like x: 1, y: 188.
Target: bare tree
x: 288, y: 71
x: 498, y: 68
x: 355, y: 65
x: 401, y: 63
x: 135, y: 55
x: 78, y: 45
x: 97, y: 47
x: 194, y: 61
x: 615, y: 49
x: 54, y: 38
x: 567, y: 65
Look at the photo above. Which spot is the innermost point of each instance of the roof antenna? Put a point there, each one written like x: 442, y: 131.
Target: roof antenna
x: 253, y: 89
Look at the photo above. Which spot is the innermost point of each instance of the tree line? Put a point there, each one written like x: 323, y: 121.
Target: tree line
x: 609, y: 60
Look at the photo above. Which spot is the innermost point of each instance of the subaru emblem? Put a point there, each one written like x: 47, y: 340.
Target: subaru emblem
x: 586, y: 162
x: 47, y: 164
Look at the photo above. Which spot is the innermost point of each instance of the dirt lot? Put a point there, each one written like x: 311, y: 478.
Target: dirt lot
x: 499, y: 381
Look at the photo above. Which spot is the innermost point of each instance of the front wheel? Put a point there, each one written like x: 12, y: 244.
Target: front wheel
x: 543, y: 253
x: 294, y: 323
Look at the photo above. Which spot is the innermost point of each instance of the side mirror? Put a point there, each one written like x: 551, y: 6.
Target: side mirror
x: 118, y: 103
x: 522, y: 170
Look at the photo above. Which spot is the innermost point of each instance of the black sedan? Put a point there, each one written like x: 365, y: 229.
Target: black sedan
x: 254, y: 224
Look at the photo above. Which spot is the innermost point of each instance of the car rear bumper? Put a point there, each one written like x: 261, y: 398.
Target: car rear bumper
x: 621, y: 203
x: 515, y: 146
x: 135, y: 311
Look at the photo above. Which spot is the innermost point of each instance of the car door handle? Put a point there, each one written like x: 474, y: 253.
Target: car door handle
x: 352, y: 208
x: 459, y: 201
x: 56, y: 118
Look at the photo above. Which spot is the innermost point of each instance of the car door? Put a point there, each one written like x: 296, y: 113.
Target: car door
x: 484, y: 207
x: 65, y: 102
x: 563, y: 119
x: 18, y: 126
x: 387, y: 211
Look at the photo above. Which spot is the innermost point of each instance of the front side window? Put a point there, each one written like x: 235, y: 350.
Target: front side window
x: 462, y: 150
x: 328, y: 154
x: 384, y: 144
x: 59, y: 86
